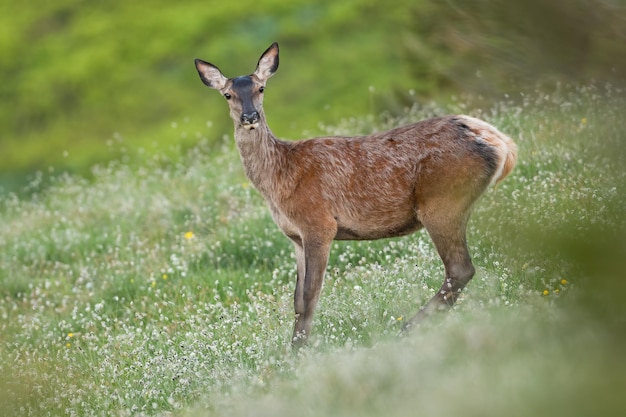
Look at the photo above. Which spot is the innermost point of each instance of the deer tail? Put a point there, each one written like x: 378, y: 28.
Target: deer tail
x: 503, y: 146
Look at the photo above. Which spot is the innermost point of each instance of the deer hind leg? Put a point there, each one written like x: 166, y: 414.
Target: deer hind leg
x: 447, y: 230
x: 312, y: 258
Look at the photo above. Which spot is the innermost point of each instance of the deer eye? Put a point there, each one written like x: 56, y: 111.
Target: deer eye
x: 261, y: 89
x: 227, y: 96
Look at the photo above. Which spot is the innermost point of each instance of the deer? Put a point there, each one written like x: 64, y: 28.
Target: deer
x: 383, y: 185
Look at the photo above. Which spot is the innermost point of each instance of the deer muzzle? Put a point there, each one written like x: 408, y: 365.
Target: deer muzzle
x: 250, y: 120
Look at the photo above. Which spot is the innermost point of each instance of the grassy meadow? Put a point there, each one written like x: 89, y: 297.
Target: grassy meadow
x: 162, y: 287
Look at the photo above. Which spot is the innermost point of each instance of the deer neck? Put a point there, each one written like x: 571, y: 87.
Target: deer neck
x: 261, y: 153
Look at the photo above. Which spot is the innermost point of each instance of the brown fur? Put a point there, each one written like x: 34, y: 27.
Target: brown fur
x: 427, y: 174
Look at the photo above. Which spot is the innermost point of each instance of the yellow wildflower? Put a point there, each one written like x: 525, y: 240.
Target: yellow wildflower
x: 164, y: 276
x: 563, y: 281
x: 189, y: 235
x: 70, y: 334
x: 546, y: 292
x: 583, y: 121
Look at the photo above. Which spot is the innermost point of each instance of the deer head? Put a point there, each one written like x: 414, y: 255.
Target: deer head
x: 244, y: 94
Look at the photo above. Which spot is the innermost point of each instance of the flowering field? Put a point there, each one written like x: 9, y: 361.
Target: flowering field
x: 163, y: 288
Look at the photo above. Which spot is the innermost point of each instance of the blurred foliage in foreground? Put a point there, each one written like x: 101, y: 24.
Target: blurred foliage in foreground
x: 80, y: 77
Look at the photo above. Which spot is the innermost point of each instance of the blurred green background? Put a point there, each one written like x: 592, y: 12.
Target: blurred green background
x: 83, y: 81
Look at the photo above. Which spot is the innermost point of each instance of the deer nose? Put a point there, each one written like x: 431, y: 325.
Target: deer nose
x: 250, y: 118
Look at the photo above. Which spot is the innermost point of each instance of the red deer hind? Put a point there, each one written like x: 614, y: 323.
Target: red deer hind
x: 427, y: 174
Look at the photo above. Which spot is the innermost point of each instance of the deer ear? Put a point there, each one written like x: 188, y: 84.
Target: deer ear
x: 210, y: 75
x: 268, y: 63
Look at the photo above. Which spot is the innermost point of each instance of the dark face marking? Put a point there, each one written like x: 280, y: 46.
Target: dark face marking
x: 243, y: 82
x: 247, y: 91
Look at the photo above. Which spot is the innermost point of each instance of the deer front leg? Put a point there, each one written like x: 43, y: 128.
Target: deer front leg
x: 312, y: 258
x: 298, y: 295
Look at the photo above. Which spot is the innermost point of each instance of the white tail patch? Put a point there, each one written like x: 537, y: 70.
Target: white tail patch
x: 503, y: 145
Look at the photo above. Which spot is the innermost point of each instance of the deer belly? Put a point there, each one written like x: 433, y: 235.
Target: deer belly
x: 376, y: 227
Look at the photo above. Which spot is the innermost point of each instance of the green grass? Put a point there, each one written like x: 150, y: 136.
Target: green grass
x: 162, y: 286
